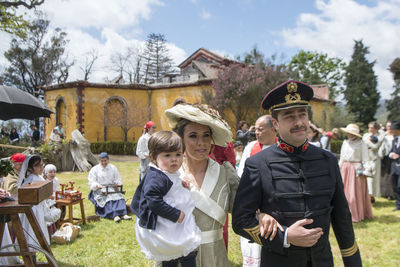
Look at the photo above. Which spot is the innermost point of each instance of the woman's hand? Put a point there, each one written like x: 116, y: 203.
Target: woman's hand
x: 181, y: 217
x: 99, y: 186
x: 268, y: 225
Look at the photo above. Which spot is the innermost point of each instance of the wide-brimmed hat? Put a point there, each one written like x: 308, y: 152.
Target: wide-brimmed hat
x: 352, y: 129
x: 201, y: 114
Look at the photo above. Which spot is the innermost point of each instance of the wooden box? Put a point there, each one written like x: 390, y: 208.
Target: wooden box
x: 35, y: 192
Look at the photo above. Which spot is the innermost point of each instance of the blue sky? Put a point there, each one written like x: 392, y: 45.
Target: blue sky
x: 229, y: 28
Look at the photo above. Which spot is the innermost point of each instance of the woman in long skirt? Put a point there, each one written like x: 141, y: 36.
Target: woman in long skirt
x: 352, y: 155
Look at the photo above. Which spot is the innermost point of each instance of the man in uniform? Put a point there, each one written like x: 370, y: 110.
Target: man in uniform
x: 299, y: 185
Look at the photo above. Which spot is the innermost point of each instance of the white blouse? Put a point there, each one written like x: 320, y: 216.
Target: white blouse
x: 99, y: 175
x: 353, y: 150
x: 142, y: 149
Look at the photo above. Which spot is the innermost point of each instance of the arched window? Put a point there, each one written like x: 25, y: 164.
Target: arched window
x: 115, y: 119
x: 61, y: 111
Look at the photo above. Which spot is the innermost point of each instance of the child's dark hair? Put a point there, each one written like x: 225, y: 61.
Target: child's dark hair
x: 164, y: 141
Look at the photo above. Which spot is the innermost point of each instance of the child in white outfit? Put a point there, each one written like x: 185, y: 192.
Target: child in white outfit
x: 165, y: 227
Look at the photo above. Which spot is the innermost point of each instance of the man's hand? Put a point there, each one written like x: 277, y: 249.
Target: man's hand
x: 268, y: 225
x: 394, y: 155
x: 99, y: 186
x: 299, y: 236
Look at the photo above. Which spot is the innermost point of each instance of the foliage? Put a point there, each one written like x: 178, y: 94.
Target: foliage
x: 318, y: 68
x: 9, y: 20
x: 239, y: 86
x: 336, y: 145
x: 393, y: 104
x: 37, y: 59
x: 114, y: 148
x: 156, y: 59
x: 375, y: 238
x: 341, y: 117
x: 361, y: 91
x: 6, y: 167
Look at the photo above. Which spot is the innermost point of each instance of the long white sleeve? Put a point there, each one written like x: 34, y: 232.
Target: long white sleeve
x: 92, y: 178
x: 245, y: 155
x: 142, y: 150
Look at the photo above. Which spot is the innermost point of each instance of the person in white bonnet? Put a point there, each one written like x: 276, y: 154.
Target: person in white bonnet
x: 50, y: 174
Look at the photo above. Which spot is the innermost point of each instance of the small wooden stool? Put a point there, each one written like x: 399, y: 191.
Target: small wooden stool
x: 66, y: 202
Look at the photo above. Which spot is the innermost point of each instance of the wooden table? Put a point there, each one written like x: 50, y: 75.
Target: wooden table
x: 13, y: 209
x: 66, y: 202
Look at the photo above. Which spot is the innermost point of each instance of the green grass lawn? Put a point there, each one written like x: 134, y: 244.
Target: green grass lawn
x: 106, y: 243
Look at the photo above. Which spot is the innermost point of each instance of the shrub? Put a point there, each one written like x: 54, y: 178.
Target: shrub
x: 336, y: 145
x: 114, y: 147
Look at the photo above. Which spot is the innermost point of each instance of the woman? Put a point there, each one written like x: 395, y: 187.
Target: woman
x: 313, y: 135
x: 111, y: 206
x: 142, y: 150
x: 353, y: 154
x: 14, y: 136
x: 244, y: 134
x: 213, y: 186
x: 31, y: 171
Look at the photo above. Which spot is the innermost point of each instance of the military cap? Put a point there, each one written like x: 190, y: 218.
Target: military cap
x: 290, y: 94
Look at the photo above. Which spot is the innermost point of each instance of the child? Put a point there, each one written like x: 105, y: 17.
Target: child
x: 52, y: 214
x: 50, y: 174
x: 165, y: 227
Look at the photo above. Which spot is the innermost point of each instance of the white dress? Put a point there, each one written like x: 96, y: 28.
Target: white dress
x: 99, y: 175
x: 142, y: 151
x: 39, y: 211
x: 171, y: 240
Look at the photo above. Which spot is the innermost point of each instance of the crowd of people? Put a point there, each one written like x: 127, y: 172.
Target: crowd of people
x: 279, y: 180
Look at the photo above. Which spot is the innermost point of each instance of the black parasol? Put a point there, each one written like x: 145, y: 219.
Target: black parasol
x: 18, y: 104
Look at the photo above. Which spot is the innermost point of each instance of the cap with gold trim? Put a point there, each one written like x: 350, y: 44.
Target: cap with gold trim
x: 288, y: 95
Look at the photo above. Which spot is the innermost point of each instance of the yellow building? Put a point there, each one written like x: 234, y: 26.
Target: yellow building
x: 117, y: 112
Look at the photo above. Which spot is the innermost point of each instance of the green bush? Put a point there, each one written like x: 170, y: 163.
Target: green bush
x: 336, y: 145
x: 114, y: 147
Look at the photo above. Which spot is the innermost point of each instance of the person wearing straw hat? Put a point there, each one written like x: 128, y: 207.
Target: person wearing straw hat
x: 300, y: 186
x: 353, y: 158
x: 212, y: 186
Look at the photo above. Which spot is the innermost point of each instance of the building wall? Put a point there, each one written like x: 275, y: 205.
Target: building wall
x: 321, y: 114
x: 69, y: 97
x: 94, y: 102
x: 162, y: 99
x: 136, y: 102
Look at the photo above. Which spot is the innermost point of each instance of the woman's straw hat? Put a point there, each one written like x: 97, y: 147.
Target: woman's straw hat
x: 352, y: 129
x: 201, y: 114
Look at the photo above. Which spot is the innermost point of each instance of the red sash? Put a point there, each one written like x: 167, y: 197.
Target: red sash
x: 257, y: 147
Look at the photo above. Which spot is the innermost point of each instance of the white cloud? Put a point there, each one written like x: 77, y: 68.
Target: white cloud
x: 205, y: 14
x: 103, y: 26
x: 340, y: 22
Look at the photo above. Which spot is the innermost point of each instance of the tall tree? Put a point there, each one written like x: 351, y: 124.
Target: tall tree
x: 37, y: 59
x: 156, y: 59
x: 318, y: 68
x: 9, y: 20
x: 393, y: 105
x: 239, y: 86
x: 90, y: 58
x: 361, y: 91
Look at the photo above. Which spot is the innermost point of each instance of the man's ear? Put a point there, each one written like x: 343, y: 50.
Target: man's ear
x: 275, y: 123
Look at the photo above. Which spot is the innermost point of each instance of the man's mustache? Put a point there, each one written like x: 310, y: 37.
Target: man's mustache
x: 298, y: 128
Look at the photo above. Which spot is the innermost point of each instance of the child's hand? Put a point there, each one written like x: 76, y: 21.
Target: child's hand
x: 186, y: 183
x: 181, y: 217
